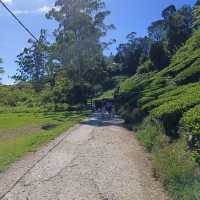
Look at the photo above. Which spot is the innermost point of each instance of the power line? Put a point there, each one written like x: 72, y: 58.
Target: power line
x: 18, y: 20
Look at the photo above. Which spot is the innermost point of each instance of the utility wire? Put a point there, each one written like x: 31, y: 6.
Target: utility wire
x: 18, y: 20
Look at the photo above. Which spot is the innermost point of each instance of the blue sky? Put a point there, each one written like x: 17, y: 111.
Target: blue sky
x: 126, y: 15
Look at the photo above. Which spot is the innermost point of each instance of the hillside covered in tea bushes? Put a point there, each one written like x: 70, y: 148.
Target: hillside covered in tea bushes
x: 171, y: 95
x: 163, y: 106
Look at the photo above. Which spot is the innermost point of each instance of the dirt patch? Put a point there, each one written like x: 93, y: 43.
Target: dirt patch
x: 11, y: 133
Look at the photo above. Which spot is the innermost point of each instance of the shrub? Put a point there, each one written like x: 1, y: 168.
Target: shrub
x: 172, y: 162
x: 150, y: 133
x: 190, y: 125
x: 135, y: 116
x: 189, y: 75
x: 146, y: 67
x: 177, y: 171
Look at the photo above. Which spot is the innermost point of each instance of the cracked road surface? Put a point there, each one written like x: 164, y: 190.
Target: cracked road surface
x: 96, y: 160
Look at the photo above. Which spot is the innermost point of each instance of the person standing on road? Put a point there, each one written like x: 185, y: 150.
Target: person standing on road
x: 109, y: 108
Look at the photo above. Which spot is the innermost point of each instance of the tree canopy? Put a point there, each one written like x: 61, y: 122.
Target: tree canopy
x: 165, y: 36
x: 75, y: 60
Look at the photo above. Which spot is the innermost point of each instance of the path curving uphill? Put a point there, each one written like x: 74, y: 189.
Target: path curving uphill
x: 96, y: 160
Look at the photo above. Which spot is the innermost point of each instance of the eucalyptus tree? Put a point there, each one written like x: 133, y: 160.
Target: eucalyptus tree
x: 79, y: 49
x: 81, y: 26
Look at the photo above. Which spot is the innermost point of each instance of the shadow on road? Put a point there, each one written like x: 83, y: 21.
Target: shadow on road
x: 99, y: 119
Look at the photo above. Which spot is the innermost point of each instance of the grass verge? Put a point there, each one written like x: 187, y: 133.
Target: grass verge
x: 172, y: 162
x: 25, y: 132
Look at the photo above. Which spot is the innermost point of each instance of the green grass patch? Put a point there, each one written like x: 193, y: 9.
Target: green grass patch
x: 150, y: 134
x: 106, y: 95
x: 172, y: 162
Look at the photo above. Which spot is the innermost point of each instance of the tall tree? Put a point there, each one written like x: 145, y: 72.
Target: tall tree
x: 168, y: 12
x: 32, y: 63
x: 53, y: 66
x: 196, y: 16
x: 179, y: 28
x: 156, y: 30
x: 133, y: 53
x: 81, y: 25
x: 159, y: 56
x: 79, y: 50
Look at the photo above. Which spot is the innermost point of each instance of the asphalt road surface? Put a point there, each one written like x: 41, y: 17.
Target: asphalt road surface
x: 95, y: 160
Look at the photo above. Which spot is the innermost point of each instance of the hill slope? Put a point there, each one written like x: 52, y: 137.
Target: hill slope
x: 168, y: 101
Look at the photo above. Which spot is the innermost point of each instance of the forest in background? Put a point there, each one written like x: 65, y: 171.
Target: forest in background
x: 155, y: 79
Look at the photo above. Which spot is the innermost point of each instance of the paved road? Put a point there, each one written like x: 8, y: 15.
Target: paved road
x: 96, y: 160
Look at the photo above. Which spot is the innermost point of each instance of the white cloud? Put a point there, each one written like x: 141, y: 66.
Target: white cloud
x: 22, y: 12
x: 41, y: 10
x: 7, y: 1
x: 24, y: 7
x: 44, y: 9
